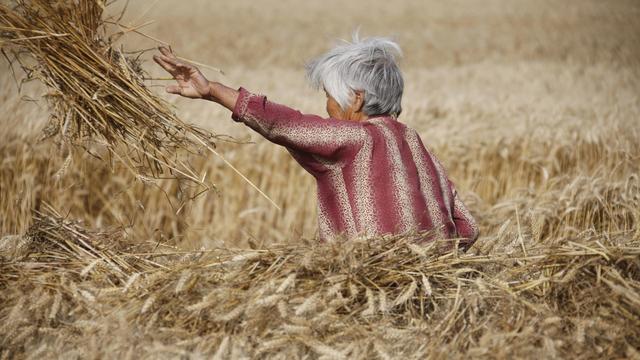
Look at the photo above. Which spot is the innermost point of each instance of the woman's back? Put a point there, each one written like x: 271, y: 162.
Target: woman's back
x: 374, y: 176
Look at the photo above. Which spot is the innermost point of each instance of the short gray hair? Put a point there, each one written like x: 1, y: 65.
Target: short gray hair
x: 368, y: 65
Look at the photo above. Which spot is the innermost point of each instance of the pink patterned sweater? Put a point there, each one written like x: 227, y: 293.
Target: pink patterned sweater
x: 374, y: 177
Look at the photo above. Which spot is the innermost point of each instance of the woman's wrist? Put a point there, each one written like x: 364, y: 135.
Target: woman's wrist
x: 222, y: 94
x: 210, y: 95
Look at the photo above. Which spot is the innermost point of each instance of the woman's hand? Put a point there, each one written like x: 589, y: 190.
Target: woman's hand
x: 191, y: 82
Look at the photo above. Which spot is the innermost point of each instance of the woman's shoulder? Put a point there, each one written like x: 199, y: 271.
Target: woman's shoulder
x: 388, y: 123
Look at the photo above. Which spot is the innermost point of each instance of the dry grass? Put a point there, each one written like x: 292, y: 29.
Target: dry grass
x: 540, y: 136
x: 385, y: 298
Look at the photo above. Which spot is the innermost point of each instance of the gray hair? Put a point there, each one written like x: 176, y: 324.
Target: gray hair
x: 368, y: 65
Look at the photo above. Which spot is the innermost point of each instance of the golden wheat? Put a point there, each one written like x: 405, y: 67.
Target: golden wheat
x: 531, y: 106
x: 96, y: 93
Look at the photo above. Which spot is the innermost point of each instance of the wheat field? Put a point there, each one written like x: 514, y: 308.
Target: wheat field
x: 532, y: 106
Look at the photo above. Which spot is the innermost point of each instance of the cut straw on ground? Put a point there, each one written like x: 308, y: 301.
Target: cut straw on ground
x: 321, y: 298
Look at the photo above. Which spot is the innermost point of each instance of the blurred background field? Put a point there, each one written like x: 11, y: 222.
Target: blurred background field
x: 532, y: 106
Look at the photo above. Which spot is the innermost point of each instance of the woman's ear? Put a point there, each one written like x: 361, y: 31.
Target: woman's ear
x: 358, y: 102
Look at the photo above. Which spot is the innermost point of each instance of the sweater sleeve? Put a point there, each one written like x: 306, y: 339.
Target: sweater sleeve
x: 299, y: 132
x: 466, y: 226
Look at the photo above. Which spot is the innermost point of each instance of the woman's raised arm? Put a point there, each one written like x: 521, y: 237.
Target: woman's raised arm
x: 300, y: 132
x: 279, y: 124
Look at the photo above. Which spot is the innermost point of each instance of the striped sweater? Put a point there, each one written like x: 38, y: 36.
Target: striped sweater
x: 373, y: 177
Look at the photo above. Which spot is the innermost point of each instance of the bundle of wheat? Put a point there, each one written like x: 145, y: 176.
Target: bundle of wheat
x: 384, y: 297
x: 96, y: 91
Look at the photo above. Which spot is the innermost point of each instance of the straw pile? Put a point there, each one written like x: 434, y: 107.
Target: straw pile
x: 96, y: 91
x: 382, y: 298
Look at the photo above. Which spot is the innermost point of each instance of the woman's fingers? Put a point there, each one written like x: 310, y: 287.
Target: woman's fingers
x: 172, y: 66
x: 165, y: 65
x: 174, y: 62
x: 169, y: 57
x: 170, y: 60
x: 174, y: 89
x: 166, y: 51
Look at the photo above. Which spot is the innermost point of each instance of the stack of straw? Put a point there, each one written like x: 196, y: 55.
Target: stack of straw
x: 380, y: 298
x: 96, y: 92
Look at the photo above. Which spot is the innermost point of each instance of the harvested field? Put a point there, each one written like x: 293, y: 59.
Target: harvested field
x: 533, y: 107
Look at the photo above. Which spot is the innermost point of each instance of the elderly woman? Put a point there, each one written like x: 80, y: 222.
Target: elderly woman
x: 373, y: 173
